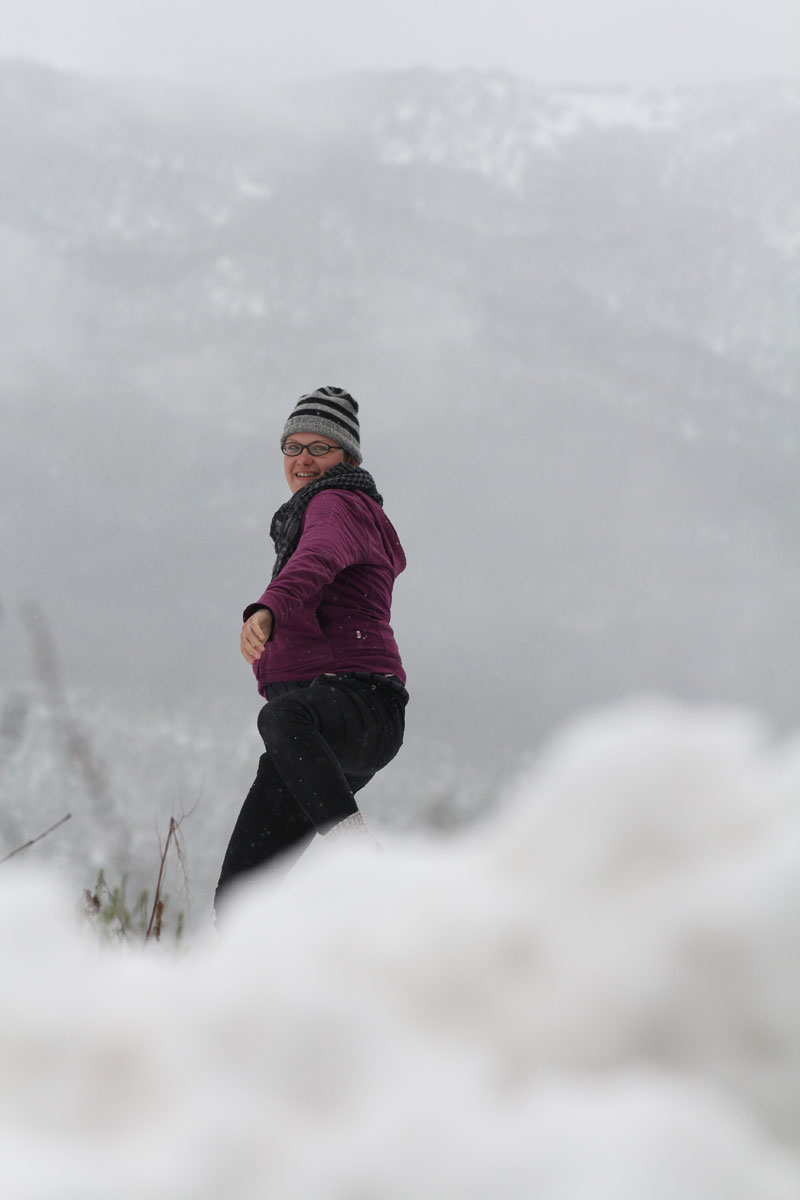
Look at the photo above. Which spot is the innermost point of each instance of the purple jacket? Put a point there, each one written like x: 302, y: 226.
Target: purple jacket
x: 332, y: 601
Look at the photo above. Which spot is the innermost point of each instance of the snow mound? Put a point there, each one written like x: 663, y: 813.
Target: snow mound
x: 594, y: 994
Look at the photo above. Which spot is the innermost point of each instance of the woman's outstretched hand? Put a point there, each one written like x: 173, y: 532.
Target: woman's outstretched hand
x: 256, y: 633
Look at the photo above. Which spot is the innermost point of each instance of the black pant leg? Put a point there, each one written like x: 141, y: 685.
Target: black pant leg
x: 324, y: 743
x: 269, y: 824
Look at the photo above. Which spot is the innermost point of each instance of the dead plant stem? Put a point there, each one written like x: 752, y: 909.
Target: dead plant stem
x: 33, y: 841
x: 158, y: 903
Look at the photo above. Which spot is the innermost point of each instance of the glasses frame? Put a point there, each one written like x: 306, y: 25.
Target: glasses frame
x: 307, y: 446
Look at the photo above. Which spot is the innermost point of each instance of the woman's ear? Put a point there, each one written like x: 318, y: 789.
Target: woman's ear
x: 353, y: 462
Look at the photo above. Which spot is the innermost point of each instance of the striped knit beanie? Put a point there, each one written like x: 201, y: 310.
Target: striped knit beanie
x: 331, y: 412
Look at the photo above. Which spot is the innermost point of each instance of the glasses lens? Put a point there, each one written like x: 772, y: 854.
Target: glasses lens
x: 315, y: 448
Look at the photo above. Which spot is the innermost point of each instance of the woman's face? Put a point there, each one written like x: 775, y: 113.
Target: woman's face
x: 302, y: 468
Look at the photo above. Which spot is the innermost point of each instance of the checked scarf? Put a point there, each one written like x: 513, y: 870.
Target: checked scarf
x: 285, y: 526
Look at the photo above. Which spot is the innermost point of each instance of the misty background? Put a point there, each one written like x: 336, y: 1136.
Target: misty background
x: 245, y: 46
x: 569, y: 314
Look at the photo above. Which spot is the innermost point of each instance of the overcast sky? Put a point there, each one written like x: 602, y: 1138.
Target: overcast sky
x: 247, y: 42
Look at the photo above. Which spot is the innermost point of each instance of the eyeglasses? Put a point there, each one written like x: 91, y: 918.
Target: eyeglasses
x: 292, y: 449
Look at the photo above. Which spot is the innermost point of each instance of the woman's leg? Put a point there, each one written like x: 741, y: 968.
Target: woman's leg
x: 324, y: 743
x: 269, y: 824
x: 327, y: 741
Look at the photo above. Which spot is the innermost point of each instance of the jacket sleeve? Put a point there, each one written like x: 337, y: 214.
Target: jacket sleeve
x: 334, y: 536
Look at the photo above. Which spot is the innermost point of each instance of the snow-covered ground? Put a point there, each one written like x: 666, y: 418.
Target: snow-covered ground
x: 593, y: 994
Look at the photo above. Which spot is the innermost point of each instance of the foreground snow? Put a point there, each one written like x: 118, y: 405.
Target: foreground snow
x: 595, y: 995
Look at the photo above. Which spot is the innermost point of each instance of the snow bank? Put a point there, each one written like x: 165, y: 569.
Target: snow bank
x: 593, y: 995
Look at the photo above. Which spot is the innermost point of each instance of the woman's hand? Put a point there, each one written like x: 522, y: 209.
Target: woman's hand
x: 256, y: 632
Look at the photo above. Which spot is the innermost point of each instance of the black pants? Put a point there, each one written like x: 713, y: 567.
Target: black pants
x: 324, y: 741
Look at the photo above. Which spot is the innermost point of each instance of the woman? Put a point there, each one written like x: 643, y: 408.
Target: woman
x: 320, y: 643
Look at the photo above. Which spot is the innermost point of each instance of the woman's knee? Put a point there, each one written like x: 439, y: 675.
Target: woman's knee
x: 282, y: 718
x: 266, y: 722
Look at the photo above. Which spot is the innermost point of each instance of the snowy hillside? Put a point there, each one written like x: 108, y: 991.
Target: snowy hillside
x: 203, y: 209
x: 593, y: 994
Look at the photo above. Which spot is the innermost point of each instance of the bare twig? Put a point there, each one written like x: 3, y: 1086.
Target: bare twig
x: 33, y: 841
x: 158, y: 903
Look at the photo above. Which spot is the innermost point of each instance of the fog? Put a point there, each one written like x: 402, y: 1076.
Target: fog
x: 569, y: 314
x: 244, y: 45
x: 569, y: 317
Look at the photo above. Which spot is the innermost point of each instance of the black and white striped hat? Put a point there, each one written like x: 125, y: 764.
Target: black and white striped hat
x: 330, y: 411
